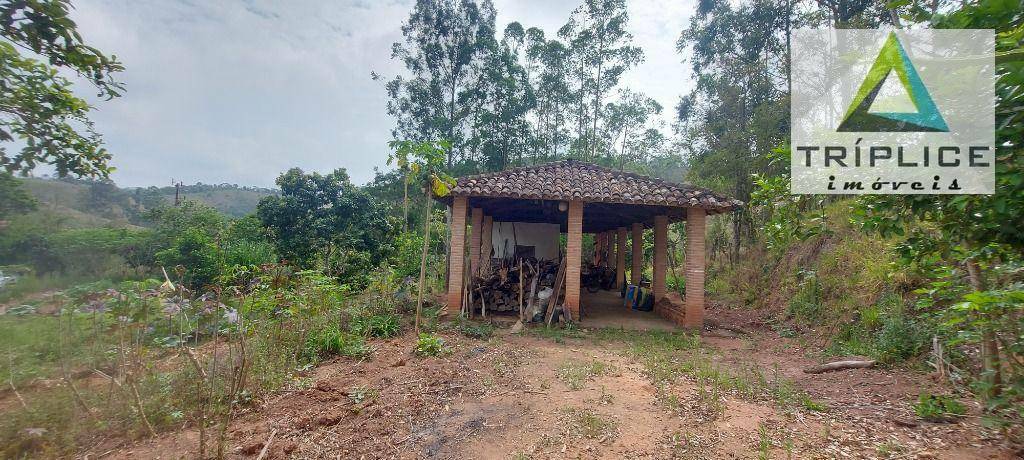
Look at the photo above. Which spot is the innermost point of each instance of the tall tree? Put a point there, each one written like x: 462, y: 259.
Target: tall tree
x: 547, y: 62
x: 501, y: 132
x: 37, y: 104
x: 603, y: 50
x: 627, y: 120
x: 738, y: 109
x: 444, y: 44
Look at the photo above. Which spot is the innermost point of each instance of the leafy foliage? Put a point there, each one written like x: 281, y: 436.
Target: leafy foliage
x: 13, y: 197
x: 325, y: 221
x: 429, y: 345
x: 937, y: 408
x: 39, y: 107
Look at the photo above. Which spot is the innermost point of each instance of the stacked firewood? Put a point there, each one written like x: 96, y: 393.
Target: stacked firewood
x: 508, y: 284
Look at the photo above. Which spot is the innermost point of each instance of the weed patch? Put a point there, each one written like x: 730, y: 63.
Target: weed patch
x: 576, y: 374
x: 430, y: 345
x: 938, y: 408
x: 589, y: 424
x: 475, y: 330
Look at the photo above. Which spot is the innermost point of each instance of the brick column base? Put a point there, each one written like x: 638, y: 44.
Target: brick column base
x: 456, y: 254
x: 695, y: 230
x: 573, y: 259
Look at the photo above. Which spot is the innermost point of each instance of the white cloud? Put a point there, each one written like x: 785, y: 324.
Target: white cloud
x: 240, y: 91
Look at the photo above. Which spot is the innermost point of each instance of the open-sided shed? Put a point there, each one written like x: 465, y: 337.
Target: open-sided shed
x: 583, y: 198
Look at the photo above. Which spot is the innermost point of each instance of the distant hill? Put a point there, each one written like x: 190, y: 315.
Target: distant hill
x: 231, y: 199
x: 99, y: 204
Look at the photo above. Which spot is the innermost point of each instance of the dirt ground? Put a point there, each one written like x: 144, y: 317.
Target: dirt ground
x: 509, y: 398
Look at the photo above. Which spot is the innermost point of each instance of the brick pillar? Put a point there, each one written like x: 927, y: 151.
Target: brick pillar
x: 573, y: 259
x: 660, y: 256
x: 457, y: 253
x: 620, y: 257
x: 638, y: 254
x: 476, y: 221
x: 695, y: 218
x: 486, y: 230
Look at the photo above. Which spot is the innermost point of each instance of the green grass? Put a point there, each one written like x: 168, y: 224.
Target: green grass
x: 32, y: 345
x: 331, y: 340
x: 556, y: 334
x: 668, y: 356
x: 474, y: 329
x: 33, y: 284
x: 576, y: 374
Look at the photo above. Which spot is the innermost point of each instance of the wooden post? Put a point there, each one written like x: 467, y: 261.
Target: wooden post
x: 477, y: 221
x: 573, y: 259
x: 638, y: 254
x: 660, y: 256
x: 486, y: 229
x: 606, y: 241
x: 695, y: 229
x: 456, y: 253
x: 620, y: 257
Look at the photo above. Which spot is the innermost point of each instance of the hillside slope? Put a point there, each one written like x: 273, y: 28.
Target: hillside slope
x: 96, y: 204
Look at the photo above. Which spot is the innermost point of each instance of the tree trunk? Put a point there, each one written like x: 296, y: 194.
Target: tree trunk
x: 991, y: 365
x: 423, y: 260
x: 597, y: 105
x: 405, y: 204
x: 451, y: 123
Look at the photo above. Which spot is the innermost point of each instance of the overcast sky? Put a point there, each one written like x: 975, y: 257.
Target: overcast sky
x: 238, y: 91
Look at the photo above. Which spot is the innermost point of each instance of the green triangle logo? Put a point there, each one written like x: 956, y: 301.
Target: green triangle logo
x: 892, y: 59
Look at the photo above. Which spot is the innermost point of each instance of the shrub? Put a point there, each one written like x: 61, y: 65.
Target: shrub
x: 331, y: 341
x: 195, y: 251
x: 938, y: 408
x: 382, y: 326
x: 805, y: 306
x: 429, y: 345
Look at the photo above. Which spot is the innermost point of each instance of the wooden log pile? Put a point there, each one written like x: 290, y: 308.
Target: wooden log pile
x: 510, y: 284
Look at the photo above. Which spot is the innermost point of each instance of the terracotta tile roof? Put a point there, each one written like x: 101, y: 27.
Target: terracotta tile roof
x: 575, y: 180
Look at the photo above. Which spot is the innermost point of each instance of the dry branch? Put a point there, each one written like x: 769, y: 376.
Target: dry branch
x: 266, y: 447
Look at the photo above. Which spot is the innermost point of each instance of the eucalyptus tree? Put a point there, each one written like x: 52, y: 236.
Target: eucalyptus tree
x: 37, y: 104
x: 445, y: 42
x: 501, y: 132
x: 739, y: 106
x: 602, y: 50
x: 552, y: 90
x: 627, y: 126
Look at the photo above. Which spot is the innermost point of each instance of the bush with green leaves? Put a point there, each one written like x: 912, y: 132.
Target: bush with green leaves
x: 332, y: 341
x: 200, y: 259
x: 938, y: 408
x: 430, y: 345
x: 384, y: 326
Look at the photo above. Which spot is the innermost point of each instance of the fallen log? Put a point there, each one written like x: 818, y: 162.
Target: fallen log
x: 838, y: 366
